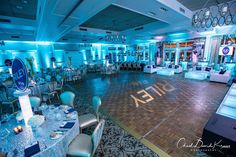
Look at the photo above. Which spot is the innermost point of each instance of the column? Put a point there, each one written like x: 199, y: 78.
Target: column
x: 45, y: 52
x: 207, y: 48
x: 25, y: 105
x: 163, y: 54
x: 177, y: 54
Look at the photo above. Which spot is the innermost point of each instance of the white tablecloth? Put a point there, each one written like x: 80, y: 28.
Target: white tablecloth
x: 48, y: 146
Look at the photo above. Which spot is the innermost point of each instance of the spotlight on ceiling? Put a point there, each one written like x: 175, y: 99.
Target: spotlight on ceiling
x: 163, y: 9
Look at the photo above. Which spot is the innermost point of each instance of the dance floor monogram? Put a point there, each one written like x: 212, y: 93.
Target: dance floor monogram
x: 157, y: 109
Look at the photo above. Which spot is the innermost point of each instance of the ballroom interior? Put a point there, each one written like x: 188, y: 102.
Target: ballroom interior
x: 118, y: 78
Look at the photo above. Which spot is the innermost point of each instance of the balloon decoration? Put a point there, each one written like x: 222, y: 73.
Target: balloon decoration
x: 8, y: 62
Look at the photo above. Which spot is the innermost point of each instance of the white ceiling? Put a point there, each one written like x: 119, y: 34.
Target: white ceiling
x: 199, y: 4
x: 19, y: 8
x: 117, y: 18
x: 62, y: 20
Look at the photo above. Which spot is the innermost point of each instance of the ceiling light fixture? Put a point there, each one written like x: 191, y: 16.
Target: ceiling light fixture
x: 163, y: 9
x: 115, y: 38
x: 152, y: 13
x: 19, y: 7
x: 220, y: 15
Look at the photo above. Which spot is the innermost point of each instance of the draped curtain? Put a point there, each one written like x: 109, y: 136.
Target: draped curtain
x: 215, y: 46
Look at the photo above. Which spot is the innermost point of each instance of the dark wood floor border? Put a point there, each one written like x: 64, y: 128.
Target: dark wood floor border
x: 148, y: 144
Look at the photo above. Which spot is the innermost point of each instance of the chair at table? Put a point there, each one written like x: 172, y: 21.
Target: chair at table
x: 135, y: 66
x: 125, y: 66
x: 84, y: 72
x: 59, y: 87
x: 139, y: 67
x: 85, y: 145
x: 5, y: 100
x: 51, y: 91
x: 58, y: 78
x: 35, y: 102
x: 66, y: 75
x: 67, y: 98
x: 48, y: 78
x: 129, y: 66
x: 89, y: 119
x: 121, y: 66
x: 117, y: 68
x: 76, y: 75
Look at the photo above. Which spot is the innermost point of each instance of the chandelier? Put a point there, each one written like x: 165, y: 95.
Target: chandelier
x: 115, y: 38
x: 220, y: 15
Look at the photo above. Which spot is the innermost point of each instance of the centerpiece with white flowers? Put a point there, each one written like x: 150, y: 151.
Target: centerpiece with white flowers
x: 36, y: 121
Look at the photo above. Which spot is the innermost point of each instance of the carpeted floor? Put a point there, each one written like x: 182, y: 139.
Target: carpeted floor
x: 116, y: 142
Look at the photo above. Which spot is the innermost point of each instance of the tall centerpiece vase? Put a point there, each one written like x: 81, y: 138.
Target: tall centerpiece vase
x: 35, y: 122
x: 70, y: 62
x: 31, y: 64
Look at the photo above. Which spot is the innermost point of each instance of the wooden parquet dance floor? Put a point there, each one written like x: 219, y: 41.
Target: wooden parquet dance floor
x: 159, y: 109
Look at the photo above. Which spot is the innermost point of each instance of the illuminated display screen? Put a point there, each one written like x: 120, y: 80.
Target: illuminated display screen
x: 226, y: 50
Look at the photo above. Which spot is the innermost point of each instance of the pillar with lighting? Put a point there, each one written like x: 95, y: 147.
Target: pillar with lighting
x: 25, y: 105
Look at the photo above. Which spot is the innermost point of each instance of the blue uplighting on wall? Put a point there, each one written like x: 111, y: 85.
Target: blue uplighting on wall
x: 84, y: 56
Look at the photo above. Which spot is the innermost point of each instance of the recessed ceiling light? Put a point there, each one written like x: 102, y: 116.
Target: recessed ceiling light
x: 163, y: 9
x: 151, y: 13
x: 24, y: 1
x: 19, y: 7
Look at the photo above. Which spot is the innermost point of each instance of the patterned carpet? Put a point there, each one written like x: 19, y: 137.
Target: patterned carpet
x: 116, y: 142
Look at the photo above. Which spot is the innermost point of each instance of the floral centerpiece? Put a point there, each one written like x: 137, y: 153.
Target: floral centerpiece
x: 31, y: 62
x: 36, y: 121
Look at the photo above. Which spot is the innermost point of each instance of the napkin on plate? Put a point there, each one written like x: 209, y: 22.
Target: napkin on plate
x: 68, y: 125
x: 56, y: 105
x: 69, y: 110
x: 32, y: 149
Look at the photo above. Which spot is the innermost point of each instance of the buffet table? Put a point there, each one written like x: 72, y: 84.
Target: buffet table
x: 53, y: 139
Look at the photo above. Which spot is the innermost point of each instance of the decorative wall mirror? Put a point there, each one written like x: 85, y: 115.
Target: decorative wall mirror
x: 234, y: 19
x: 224, y: 9
x: 208, y: 23
x: 207, y: 13
x: 215, y: 21
x: 221, y: 21
x: 228, y: 19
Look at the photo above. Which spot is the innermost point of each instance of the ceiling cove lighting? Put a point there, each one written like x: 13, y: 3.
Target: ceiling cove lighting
x: 220, y: 15
x: 30, y: 42
x: 115, y: 38
x: 213, y: 32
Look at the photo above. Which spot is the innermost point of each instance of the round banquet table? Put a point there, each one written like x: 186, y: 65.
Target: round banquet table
x: 16, y: 143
